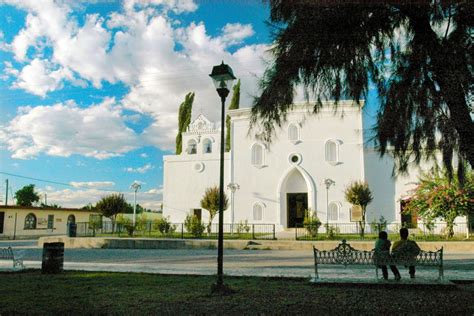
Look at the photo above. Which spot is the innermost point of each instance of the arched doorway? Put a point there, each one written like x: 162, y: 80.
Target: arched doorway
x: 296, y: 192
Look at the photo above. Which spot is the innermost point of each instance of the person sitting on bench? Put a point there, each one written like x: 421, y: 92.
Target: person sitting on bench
x: 382, y: 250
x: 407, y: 249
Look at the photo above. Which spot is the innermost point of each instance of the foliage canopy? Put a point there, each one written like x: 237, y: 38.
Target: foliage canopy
x: 358, y: 193
x: 234, y: 104
x: 419, y: 54
x: 111, y: 205
x: 26, y: 196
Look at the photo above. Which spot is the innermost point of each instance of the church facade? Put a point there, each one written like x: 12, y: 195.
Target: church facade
x: 308, y: 164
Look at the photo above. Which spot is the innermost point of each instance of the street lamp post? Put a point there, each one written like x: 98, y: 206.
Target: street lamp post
x: 232, y: 187
x: 223, y: 77
x: 135, y: 187
x: 328, y: 182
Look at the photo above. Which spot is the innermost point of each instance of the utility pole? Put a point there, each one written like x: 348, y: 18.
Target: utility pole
x: 6, y: 194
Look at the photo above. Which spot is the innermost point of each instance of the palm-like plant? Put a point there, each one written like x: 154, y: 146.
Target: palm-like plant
x: 358, y: 193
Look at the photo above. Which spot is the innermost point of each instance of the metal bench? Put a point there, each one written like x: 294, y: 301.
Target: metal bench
x: 7, y: 254
x: 346, y: 255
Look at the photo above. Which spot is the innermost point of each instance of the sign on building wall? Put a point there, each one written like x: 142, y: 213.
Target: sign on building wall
x: 356, y: 213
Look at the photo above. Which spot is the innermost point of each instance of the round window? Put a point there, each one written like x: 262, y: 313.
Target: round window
x: 294, y: 159
x: 198, y: 167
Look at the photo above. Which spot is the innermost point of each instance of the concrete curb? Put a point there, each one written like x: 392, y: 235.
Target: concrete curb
x: 151, y: 243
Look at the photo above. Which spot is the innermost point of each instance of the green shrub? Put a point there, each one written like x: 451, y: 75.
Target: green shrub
x: 164, y: 226
x: 331, y: 231
x: 379, y: 226
x: 311, y: 222
x: 141, y: 222
x: 126, y: 223
x: 194, y: 226
x: 243, y: 227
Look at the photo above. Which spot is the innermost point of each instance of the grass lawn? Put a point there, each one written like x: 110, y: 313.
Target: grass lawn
x: 130, y: 293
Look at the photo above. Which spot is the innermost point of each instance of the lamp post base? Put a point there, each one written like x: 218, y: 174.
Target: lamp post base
x: 221, y: 289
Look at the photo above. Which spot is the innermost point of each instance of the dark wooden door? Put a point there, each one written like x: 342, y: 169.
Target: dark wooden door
x: 297, y: 204
x: 2, y: 221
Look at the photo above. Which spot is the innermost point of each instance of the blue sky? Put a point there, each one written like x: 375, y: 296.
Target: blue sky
x: 90, y: 90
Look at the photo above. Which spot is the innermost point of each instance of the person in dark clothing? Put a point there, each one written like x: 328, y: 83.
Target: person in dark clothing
x: 382, y: 252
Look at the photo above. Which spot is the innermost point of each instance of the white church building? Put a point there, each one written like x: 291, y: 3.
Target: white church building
x: 277, y: 182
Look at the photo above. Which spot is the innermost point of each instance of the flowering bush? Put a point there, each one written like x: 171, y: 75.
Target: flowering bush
x: 436, y: 196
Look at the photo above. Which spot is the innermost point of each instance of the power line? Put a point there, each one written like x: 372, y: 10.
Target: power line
x: 50, y: 181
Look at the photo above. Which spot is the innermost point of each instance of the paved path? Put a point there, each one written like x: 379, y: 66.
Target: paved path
x: 236, y: 262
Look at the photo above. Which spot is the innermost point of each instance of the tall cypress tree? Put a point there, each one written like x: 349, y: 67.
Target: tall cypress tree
x: 184, y: 118
x: 234, y: 104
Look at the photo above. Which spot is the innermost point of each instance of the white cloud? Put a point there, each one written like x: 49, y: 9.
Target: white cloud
x: 142, y: 170
x: 92, y: 184
x: 144, y: 155
x: 38, y: 77
x: 151, y: 199
x: 64, y: 129
x: 235, y: 33
x: 177, y: 6
x: 136, y: 46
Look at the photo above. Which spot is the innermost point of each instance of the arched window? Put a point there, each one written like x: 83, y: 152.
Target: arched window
x: 257, y: 212
x: 192, y: 147
x: 258, y: 155
x: 30, y: 221
x: 293, y: 133
x: 71, y: 219
x: 207, y: 146
x: 333, y: 211
x: 332, y: 151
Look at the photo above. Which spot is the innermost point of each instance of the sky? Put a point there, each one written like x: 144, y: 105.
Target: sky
x: 89, y: 90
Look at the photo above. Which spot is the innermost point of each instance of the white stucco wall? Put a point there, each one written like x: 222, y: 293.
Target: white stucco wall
x: 184, y: 186
x: 268, y: 184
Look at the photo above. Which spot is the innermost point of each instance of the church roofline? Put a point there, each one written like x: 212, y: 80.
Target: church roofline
x: 304, y: 107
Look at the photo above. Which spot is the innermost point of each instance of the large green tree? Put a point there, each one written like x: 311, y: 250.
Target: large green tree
x: 234, y: 104
x: 210, y: 202
x: 419, y: 54
x: 438, y: 197
x: 358, y: 193
x: 26, y: 196
x: 111, y: 205
x: 184, y: 118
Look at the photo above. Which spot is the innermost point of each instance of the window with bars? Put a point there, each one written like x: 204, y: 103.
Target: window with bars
x: 30, y: 221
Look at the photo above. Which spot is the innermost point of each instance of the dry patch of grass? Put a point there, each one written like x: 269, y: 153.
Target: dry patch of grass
x: 124, y: 293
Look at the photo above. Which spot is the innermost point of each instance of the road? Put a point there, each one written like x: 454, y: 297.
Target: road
x: 236, y: 262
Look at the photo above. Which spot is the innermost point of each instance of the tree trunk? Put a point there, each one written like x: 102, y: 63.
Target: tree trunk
x: 449, y: 229
x: 362, y: 224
